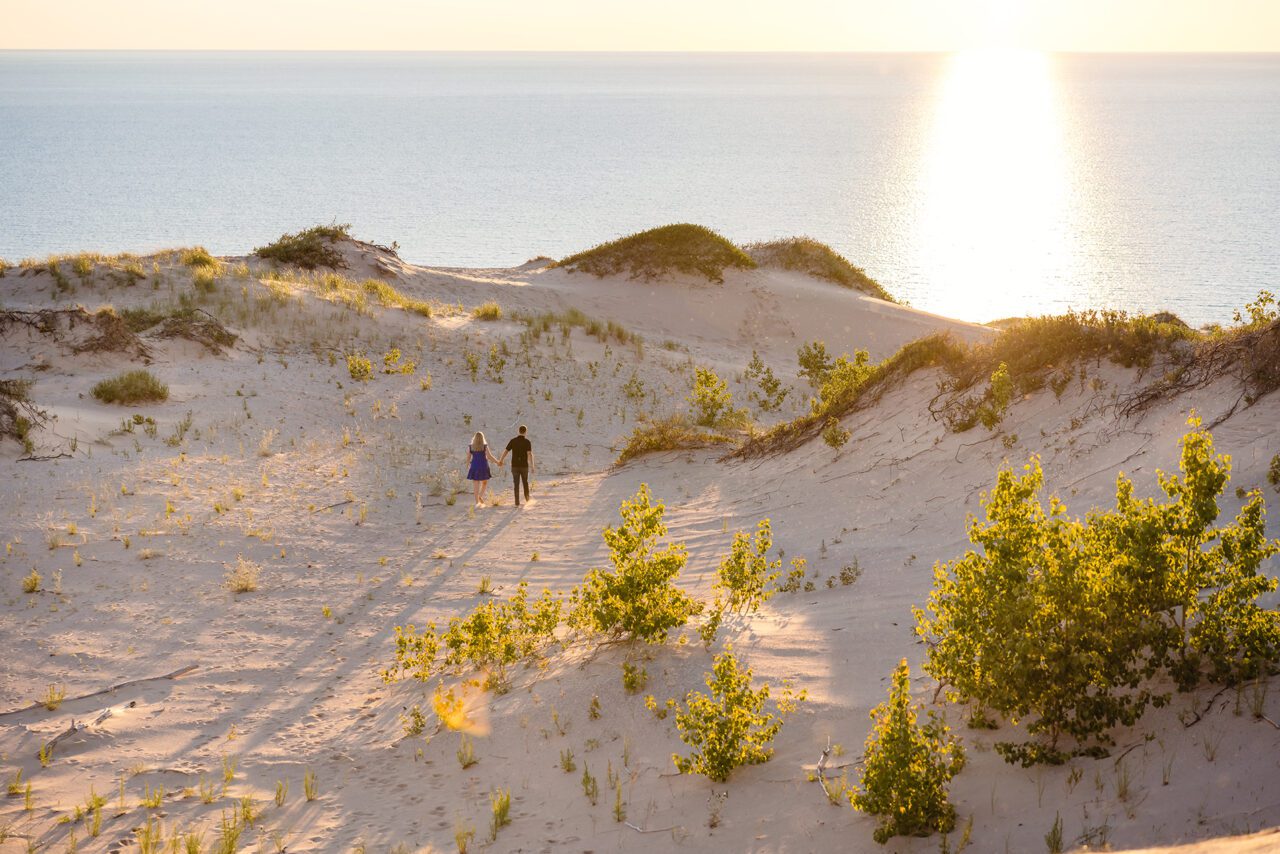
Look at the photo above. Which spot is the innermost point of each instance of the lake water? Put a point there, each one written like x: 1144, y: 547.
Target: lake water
x: 980, y: 185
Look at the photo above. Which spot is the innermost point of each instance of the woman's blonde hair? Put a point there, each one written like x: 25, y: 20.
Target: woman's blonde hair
x: 478, y: 442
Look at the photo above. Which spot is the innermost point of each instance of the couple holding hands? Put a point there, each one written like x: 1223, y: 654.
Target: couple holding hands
x: 521, y: 451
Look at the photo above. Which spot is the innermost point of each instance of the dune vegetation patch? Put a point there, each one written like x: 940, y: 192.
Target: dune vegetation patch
x: 675, y: 433
x: 189, y: 322
x: 806, y: 255
x: 139, y: 386
x: 335, y: 287
x: 18, y: 415
x: 308, y: 249
x: 979, y: 380
x: 1045, y: 619
x: 602, y: 330
x: 198, y: 256
x: 682, y: 248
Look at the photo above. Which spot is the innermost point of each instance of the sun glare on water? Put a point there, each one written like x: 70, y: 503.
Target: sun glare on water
x: 992, y: 234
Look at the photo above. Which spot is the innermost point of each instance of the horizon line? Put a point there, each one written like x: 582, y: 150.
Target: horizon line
x: 744, y: 52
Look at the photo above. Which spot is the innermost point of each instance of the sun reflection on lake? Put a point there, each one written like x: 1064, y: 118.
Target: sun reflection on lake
x: 992, y: 230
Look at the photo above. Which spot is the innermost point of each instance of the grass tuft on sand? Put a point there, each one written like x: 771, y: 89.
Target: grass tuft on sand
x: 681, y: 248
x: 806, y: 255
x: 132, y: 387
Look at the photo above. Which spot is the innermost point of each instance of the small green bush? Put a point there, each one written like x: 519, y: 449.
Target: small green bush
x: 681, y: 248
x: 132, y: 387
x: 359, y: 367
x: 1273, y: 473
x: 639, y: 599
x: 815, y: 364
x: 833, y: 434
x: 498, y: 634
x: 489, y: 639
x: 906, y: 767
x: 1261, y: 312
x: 769, y: 393
x: 730, y: 727
x: 746, y: 572
x: 308, y: 249
x: 709, y: 398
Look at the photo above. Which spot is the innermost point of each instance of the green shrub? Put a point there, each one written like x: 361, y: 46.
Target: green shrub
x: 999, y: 393
x: 1069, y: 622
x: 667, y: 434
x: 907, y: 766
x: 682, y: 248
x: 308, y: 249
x: 815, y: 364
x: 1263, y: 311
x: 498, y: 634
x: 842, y: 381
x: 807, y: 255
x: 493, y: 368
x: 1273, y: 473
x: 730, y: 727
x: 710, y: 398
x: 132, y: 387
x: 359, y: 367
x: 833, y: 434
x: 746, y: 572
x: 638, y: 600
x: 489, y: 639
x: 769, y: 393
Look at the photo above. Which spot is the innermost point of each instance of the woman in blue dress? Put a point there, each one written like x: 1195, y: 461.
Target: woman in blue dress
x: 479, y: 473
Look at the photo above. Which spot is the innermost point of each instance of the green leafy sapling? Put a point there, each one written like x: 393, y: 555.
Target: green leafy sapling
x: 746, y: 573
x: 907, y: 767
x: 768, y: 393
x: 709, y: 398
x: 814, y: 362
x: 730, y: 727
x: 638, y: 600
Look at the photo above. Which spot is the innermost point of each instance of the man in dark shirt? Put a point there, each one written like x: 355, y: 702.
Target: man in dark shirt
x: 521, y: 450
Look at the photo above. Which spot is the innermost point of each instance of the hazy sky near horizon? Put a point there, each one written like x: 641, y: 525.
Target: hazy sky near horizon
x: 608, y: 25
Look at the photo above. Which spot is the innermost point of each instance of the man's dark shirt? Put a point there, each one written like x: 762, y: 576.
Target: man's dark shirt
x: 519, y: 448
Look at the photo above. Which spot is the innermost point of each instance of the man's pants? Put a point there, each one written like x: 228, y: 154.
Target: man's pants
x: 517, y: 475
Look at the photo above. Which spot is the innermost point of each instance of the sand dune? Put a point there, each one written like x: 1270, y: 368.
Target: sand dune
x: 341, y: 491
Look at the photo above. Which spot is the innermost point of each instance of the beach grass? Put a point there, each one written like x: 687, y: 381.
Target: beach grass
x: 680, y: 248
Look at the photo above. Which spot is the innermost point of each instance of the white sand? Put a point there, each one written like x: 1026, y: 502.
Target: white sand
x: 336, y: 524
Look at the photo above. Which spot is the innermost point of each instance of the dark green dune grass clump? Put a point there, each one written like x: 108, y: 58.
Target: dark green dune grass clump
x: 308, y: 249
x: 132, y: 387
x: 681, y: 248
x: 806, y: 255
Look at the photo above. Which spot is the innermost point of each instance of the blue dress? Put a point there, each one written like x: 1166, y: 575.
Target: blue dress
x: 479, y: 465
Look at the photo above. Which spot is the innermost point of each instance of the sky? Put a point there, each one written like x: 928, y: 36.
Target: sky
x: 649, y: 25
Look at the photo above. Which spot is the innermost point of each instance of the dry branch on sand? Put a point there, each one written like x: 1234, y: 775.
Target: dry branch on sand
x: 82, y: 332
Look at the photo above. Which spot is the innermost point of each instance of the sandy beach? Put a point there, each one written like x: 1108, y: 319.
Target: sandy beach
x: 346, y: 498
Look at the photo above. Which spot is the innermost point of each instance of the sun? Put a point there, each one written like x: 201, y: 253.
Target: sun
x: 994, y: 218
